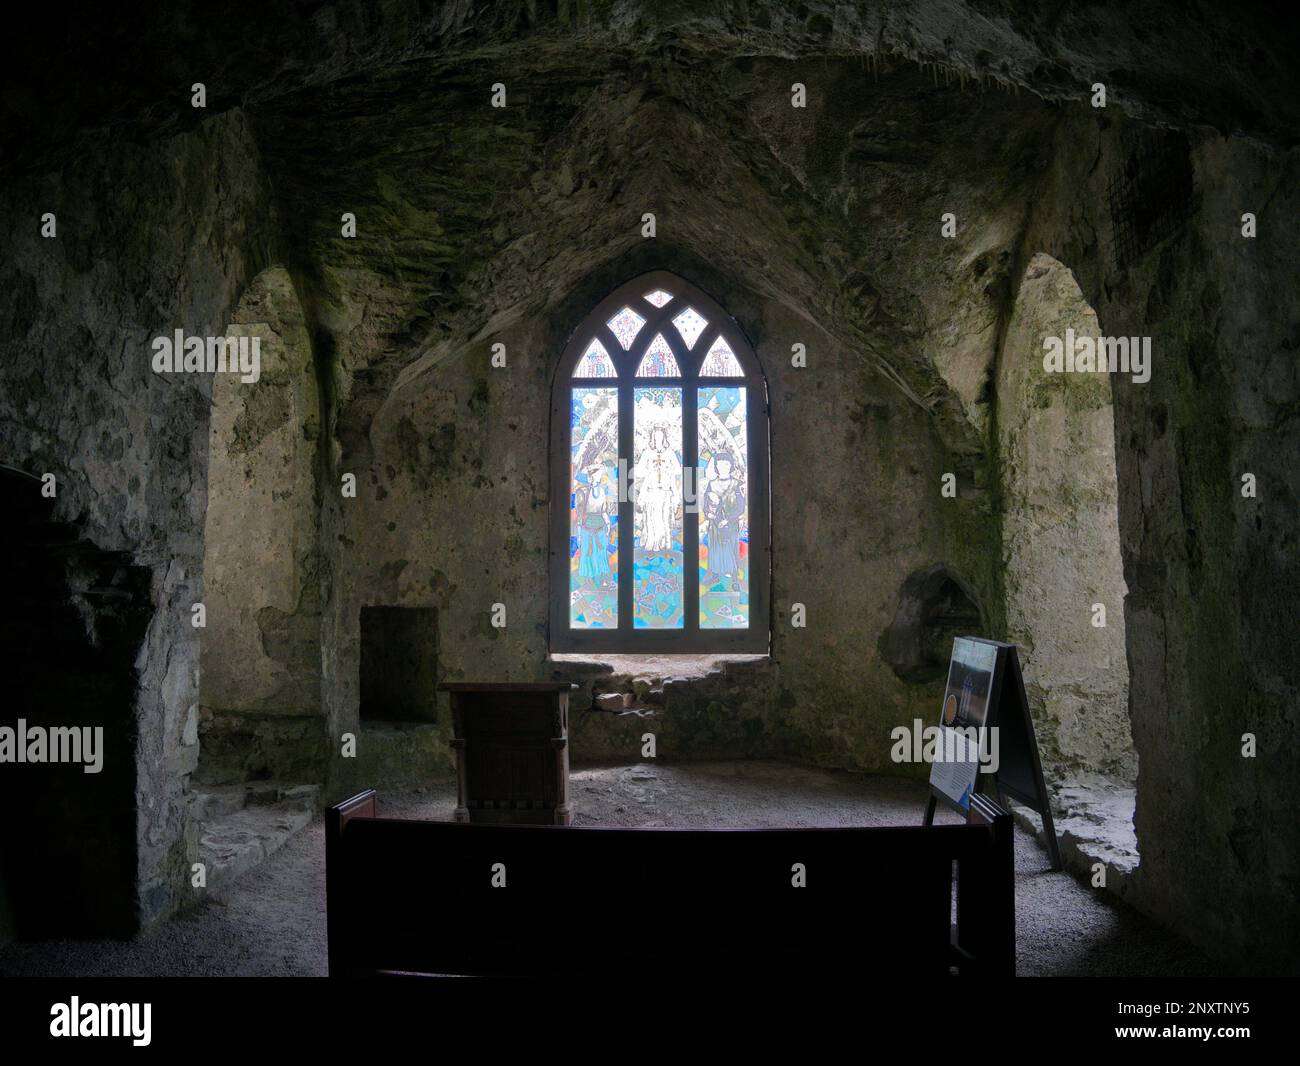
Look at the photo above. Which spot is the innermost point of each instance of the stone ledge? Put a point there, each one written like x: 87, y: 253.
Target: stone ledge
x: 654, y: 669
x: 1094, y: 823
x: 248, y: 826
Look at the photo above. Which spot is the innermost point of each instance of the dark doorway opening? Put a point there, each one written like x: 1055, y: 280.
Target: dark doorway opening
x: 72, y: 619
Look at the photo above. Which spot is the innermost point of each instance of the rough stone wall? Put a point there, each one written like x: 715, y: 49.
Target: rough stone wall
x: 470, y: 225
x: 260, y: 713
x: 1213, y: 577
x: 150, y: 238
x: 453, y: 514
x: 525, y: 219
x: 1060, y: 538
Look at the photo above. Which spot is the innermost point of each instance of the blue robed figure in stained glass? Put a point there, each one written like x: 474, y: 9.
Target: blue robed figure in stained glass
x: 595, y: 503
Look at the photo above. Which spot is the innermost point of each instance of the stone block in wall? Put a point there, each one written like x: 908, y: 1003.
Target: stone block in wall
x: 239, y: 747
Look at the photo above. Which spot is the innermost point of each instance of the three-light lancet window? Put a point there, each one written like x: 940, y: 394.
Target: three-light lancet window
x: 659, y: 452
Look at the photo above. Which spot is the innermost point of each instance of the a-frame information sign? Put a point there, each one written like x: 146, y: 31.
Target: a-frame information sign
x: 985, y: 699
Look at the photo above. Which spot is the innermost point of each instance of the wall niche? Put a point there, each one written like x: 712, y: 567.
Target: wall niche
x: 399, y: 664
x: 934, y: 606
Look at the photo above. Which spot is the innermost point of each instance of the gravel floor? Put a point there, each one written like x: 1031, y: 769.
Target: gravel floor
x: 272, y: 920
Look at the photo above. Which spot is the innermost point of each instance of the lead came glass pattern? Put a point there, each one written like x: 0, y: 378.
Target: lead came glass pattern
x: 723, y: 481
x: 721, y: 362
x: 690, y: 324
x: 658, y: 361
x: 658, y: 560
x: 593, y: 508
x: 595, y: 363
x: 625, y: 326
x: 634, y: 534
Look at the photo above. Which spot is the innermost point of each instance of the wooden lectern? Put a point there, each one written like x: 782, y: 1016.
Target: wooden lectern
x: 512, y: 751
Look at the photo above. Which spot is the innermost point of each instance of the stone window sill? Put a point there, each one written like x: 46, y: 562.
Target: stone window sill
x: 649, y: 668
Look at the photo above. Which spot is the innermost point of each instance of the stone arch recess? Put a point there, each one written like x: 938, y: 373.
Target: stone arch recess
x: 1055, y: 439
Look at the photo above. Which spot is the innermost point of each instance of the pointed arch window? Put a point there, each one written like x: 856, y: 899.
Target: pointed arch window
x: 659, y: 452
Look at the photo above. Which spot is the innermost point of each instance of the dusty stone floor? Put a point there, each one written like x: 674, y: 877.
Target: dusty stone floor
x: 271, y: 921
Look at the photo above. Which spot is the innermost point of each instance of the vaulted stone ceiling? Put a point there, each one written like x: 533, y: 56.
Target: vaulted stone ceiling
x: 469, y: 216
x: 120, y: 67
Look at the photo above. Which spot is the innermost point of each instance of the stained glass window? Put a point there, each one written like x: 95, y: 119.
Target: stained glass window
x: 723, y: 507
x: 658, y: 361
x: 625, y: 326
x: 690, y: 324
x: 595, y: 363
x: 657, y: 561
x: 721, y: 362
x: 664, y: 543
x: 593, y: 509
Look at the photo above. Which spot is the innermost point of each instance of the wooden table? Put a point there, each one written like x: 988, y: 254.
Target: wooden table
x: 512, y: 751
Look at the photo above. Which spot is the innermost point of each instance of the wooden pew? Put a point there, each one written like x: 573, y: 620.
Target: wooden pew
x: 414, y: 897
